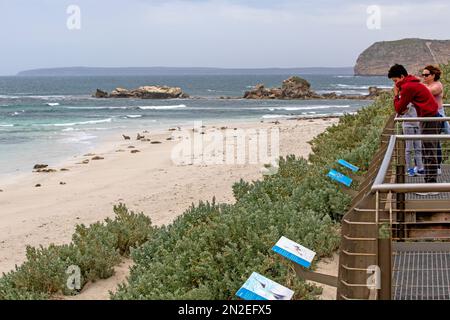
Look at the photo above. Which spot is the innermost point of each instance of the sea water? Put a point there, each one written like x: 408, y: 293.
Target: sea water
x: 48, y: 119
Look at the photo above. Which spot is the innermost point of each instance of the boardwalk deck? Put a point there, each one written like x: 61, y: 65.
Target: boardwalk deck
x: 421, y: 271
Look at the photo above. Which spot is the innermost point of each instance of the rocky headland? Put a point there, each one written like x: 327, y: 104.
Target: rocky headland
x: 414, y: 54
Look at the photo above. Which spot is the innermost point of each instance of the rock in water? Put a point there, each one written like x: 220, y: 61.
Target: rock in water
x: 100, y: 94
x: 292, y: 88
x: 414, y: 54
x: 159, y: 92
x: 145, y: 92
x: 121, y: 93
x: 376, y: 92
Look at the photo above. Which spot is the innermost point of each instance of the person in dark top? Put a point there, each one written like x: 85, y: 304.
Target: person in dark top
x: 409, y: 89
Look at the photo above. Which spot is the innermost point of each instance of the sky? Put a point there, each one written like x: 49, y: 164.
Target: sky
x: 207, y: 33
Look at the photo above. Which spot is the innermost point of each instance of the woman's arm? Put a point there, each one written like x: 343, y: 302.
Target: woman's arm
x: 435, y: 88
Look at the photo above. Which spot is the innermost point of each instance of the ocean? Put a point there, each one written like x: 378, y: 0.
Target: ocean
x: 49, y: 119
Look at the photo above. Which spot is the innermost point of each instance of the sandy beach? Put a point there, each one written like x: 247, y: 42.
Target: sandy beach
x: 147, y: 181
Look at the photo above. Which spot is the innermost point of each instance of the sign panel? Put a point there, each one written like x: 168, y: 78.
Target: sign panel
x: 348, y: 165
x: 258, y: 287
x: 294, y: 251
x: 339, y: 177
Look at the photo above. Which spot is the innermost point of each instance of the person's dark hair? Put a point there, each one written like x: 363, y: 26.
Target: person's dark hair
x: 434, y: 70
x: 397, y: 71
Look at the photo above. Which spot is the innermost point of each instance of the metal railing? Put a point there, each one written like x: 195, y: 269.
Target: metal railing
x: 379, y: 183
x: 384, y: 213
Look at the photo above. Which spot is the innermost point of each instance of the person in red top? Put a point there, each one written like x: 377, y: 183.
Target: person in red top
x: 409, y: 90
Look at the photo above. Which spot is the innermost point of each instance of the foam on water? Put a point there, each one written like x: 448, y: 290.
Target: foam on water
x: 180, y: 106
x: 308, y: 107
x: 356, y: 87
x: 79, y: 123
x: 99, y: 108
x: 80, y: 137
x: 276, y: 116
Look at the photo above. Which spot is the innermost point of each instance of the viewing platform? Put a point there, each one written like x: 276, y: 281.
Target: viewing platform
x: 396, y: 236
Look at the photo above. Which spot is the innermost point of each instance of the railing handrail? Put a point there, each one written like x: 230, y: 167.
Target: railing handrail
x: 411, y: 187
x: 422, y: 119
x: 380, y: 186
x: 385, y: 163
x: 423, y: 136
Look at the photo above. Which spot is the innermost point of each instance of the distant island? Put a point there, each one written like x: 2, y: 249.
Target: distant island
x: 374, y: 61
x: 412, y: 53
x: 158, y: 71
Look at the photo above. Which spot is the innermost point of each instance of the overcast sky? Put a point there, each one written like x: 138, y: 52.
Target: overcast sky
x: 207, y: 33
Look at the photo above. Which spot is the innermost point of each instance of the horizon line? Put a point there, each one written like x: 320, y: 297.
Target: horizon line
x: 181, y: 68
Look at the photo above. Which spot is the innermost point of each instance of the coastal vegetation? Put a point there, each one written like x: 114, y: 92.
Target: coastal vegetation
x: 95, y: 250
x: 211, y: 249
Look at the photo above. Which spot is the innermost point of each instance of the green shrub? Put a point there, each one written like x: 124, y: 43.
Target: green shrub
x: 95, y: 250
x: 45, y: 269
x: 10, y: 291
x: 131, y: 229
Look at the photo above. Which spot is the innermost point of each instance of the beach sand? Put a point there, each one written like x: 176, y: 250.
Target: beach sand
x: 147, y: 181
